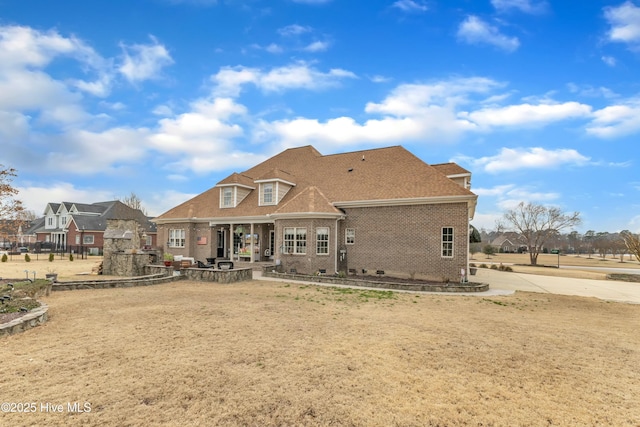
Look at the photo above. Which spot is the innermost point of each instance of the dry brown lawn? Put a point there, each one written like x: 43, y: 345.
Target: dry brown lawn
x: 581, y: 264
x: 67, y: 270
x: 273, y: 354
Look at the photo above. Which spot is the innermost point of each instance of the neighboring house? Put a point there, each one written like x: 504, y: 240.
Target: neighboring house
x: 15, y: 233
x: 510, y: 242
x: 68, y: 224
x: 381, y: 209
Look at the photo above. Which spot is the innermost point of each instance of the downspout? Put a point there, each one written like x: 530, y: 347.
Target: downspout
x: 335, y: 260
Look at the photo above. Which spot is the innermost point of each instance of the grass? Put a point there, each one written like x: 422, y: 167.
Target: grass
x: 268, y: 354
x: 22, y: 296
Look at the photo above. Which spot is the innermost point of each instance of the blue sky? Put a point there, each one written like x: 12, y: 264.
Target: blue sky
x: 540, y: 100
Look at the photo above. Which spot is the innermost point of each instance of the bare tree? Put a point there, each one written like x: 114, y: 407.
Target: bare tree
x: 10, y: 208
x: 537, y: 224
x: 632, y: 241
x: 133, y: 201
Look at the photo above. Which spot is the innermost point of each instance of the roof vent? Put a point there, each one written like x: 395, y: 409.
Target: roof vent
x: 363, y: 157
x: 350, y: 170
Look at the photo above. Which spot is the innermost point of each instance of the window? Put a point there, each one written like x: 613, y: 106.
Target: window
x: 49, y: 221
x: 88, y: 239
x: 350, y: 236
x: 322, y: 241
x: 176, y: 238
x: 295, y: 240
x: 227, y: 197
x: 267, y: 193
x: 447, y: 242
x: 64, y: 220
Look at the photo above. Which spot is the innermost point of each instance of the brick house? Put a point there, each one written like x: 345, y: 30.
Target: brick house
x: 380, y: 209
x: 68, y: 224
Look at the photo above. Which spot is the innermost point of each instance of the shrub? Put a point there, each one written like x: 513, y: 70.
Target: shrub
x: 494, y: 267
x: 4, y: 257
x: 484, y: 266
x: 51, y: 257
x: 70, y: 257
x: 27, y: 258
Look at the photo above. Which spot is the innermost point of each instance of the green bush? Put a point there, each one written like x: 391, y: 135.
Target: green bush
x: 51, y: 257
x: 484, y: 266
x: 27, y: 258
x: 70, y: 257
x: 5, y: 258
x: 494, y: 267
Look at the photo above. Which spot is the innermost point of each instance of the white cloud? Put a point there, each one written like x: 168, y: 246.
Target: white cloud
x: 474, y: 30
x: 274, y: 48
x: 143, y: 62
x: 294, y: 30
x: 526, y: 114
x: 513, y: 159
x: 616, y: 120
x: 415, y: 112
x: 526, y: 6
x: 379, y: 79
x: 86, y: 152
x: 196, y: 140
x: 317, y: 46
x: 609, y: 60
x: 411, y: 5
x: 625, y: 23
x: 300, y: 75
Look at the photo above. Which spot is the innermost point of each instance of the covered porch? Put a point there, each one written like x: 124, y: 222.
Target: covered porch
x: 251, y: 241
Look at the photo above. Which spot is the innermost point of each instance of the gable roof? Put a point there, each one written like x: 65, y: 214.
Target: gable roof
x: 451, y: 169
x: 93, y: 217
x: 378, y: 176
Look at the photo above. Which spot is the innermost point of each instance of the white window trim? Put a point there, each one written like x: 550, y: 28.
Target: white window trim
x: 318, y: 241
x: 88, y: 240
x: 444, y: 244
x: 274, y: 193
x: 294, y: 241
x: 346, y: 236
x: 177, y: 242
x: 233, y: 197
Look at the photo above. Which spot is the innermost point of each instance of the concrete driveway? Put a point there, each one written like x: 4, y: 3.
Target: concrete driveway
x: 609, y: 290
x: 505, y: 283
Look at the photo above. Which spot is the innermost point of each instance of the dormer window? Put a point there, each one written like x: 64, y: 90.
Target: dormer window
x: 227, y: 197
x: 267, y: 193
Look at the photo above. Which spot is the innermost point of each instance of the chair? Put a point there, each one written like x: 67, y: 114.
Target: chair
x: 203, y: 265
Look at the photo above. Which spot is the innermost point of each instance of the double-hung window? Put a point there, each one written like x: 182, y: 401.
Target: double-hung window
x: 447, y: 242
x: 350, y: 236
x: 295, y: 240
x: 267, y: 193
x: 227, y: 197
x: 322, y: 241
x: 176, y: 238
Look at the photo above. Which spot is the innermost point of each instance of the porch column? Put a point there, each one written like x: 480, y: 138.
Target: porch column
x: 252, y: 245
x: 231, y: 241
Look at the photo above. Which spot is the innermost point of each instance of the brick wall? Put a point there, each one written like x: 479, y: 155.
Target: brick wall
x: 309, y: 263
x: 407, y: 239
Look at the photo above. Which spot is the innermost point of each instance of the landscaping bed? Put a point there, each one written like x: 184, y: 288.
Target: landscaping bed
x: 23, y: 297
x: 384, y: 282
x: 624, y: 277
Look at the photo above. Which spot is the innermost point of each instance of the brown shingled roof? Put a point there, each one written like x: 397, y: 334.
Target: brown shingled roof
x: 451, y: 168
x: 381, y: 174
x: 308, y: 200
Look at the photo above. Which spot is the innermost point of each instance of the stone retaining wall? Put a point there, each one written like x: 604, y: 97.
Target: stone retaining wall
x: 116, y: 283
x: 204, y: 274
x: 30, y: 320
x: 451, y: 287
